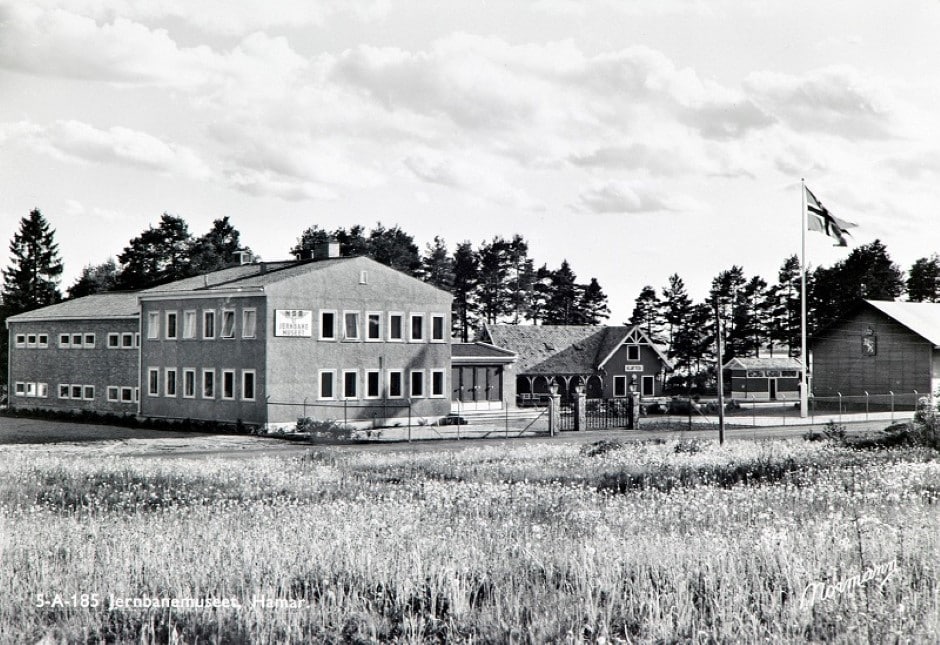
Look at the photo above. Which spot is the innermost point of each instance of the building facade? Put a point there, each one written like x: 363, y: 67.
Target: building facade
x: 77, y: 355
x: 609, y: 362
x: 775, y: 378
x: 880, y: 348
x: 342, y: 339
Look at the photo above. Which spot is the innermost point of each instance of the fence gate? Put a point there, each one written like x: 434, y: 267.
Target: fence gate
x: 599, y: 414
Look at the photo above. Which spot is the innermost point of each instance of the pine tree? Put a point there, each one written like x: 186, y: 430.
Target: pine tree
x: 564, y: 296
x: 395, y: 248
x: 593, y: 304
x: 923, y: 281
x: 786, y: 310
x: 216, y: 249
x: 157, y: 255
x: 95, y: 278
x: 676, y: 307
x: 32, y: 278
x: 647, y: 313
x: 466, y: 278
x: 437, y: 265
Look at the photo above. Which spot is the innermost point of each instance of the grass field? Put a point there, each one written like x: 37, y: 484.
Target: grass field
x: 658, y: 542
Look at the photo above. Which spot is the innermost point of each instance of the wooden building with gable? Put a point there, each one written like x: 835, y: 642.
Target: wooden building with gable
x: 609, y: 361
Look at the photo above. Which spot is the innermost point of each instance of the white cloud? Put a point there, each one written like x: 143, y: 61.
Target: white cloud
x: 268, y: 184
x: 834, y: 100
x: 468, y: 177
x: 624, y: 197
x: 78, y: 141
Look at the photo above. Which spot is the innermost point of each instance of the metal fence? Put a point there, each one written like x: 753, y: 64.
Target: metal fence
x: 890, y: 407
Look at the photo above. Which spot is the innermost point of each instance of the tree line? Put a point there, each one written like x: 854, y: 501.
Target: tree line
x: 760, y: 318
x: 494, y: 281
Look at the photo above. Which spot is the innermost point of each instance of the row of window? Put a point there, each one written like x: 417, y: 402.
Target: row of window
x: 78, y: 340
x: 647, y: 386
x: 175, y: 327
x: 166, y: 382
x: 21, y: 388
x: 377, y: 327
x: 76, y: 391
x: 345, y: 384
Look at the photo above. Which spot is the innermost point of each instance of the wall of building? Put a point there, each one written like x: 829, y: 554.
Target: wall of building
x: 902, y: 363
x: 57, y: 375
x: 296, y: 366
x: 649, y: 365
x: 194, y: 351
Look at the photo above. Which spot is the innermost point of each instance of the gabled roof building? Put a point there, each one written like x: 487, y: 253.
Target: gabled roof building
x: 609, y: 361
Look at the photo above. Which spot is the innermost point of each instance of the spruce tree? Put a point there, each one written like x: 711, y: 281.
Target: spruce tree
x: 32, y: 278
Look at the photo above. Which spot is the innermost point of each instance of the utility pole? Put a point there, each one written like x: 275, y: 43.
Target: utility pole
x: 721, y: 379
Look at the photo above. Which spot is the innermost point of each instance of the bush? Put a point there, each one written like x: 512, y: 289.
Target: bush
x: 326, y: 429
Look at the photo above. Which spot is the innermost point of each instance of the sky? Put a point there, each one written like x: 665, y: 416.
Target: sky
x: 636, y: 139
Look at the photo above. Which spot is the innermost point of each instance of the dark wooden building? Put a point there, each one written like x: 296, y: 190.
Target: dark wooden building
x: 772, y: 378
x: 881, y: 347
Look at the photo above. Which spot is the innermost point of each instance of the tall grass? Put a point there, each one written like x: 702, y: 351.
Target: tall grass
x: 534, y: 543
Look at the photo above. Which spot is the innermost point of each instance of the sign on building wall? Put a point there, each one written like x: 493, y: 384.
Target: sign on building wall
x: 293, y: 322
x: 632, y: 368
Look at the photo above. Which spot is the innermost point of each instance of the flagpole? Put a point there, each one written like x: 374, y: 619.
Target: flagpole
x: 804, y: 382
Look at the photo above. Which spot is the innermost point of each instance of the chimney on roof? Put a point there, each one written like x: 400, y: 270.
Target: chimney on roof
x: 243, y: 256
x: 328, y: 249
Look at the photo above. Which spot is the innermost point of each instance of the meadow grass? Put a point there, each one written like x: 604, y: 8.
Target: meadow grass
x: 652, y: 542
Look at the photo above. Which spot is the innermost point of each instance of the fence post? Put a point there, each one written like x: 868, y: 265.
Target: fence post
x: 345, y: 412
x: 892, y: 406
x: 409, y: 420
x: 580, y: 413
x: 866, y: 405
x: 506, y: 409
x: 634, y: 411
x: 554, y: 410
x: 840, y: 406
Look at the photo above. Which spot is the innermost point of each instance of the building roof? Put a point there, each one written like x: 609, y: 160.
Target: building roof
x: 113, y: 304
x: 922, y: 318
x: 223, y: 277
x: 562, y: 349
x: 480, y: 352
x: 768, y: 362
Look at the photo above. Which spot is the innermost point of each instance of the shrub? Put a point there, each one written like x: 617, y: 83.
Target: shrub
x: 326, y: 429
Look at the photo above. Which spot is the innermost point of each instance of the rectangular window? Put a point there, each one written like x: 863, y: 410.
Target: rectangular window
x: 326, y: 384
x: 89, y: 341
x: 76, y: 392
x: 43, y: 340
x: 31, y: 340
x: 113, y: 393
x: 153, y: 324
x: 228, y: 384
x: 189, y: 324
x: 633, y: 352
x: 64, y: 391
x: 373, y: 384
x: 208, y: 384
x: 620, y: 386
x: 127, y: 395
x: 208, y: 324
x: 437, y: 383
x: 417, y: 327
x: 170, y: 382
x: 649, y: 383
x: 137, y: 339
x: 171, y: 324
x: 437, y: 328
x: 42, y: 390
x: 30, y: 389
x: 153, y: 381
x: 76, y: 340
x: 20, y: 389
x: 127, y: 340
x: 249, y: 323
x: 228, y: 324
x: 417, y: 384
x: 248, y: 385
x: 20, y: 340
x: 351, y: 325
x: 65, y: 341
x: 374, y: 326
x: 114, y: 341
x: 350, y: 384
x: 189, y: 383
x: 395, y: 385
x: 327, y: 325
x: 395, y: 324
x: 89, y: 393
